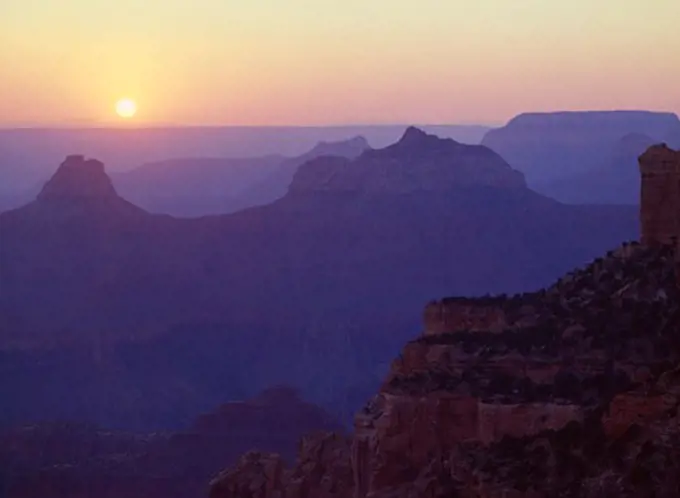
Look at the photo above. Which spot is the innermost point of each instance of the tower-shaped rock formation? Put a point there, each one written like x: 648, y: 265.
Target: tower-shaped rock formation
x: 660, y: 196
x: 78, y: 178
x: 80, y: 187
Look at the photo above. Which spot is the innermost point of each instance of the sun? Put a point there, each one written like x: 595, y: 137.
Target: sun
x: 126, y: 108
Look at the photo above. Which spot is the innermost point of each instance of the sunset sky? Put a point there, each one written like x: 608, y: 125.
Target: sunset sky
x: 261, y: 62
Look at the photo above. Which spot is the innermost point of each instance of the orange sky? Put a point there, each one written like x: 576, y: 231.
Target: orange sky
x: 329, y: 62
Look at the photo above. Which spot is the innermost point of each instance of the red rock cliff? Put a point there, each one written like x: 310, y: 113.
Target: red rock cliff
x: 591, y: 357
x: 491, y: 315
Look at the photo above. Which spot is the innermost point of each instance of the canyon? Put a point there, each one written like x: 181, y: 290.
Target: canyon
x: 571, y: 390
x: 158, y: 318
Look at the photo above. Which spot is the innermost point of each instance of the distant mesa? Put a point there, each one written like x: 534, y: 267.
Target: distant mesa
x: 548, y: 147
x: 417, y: 162
x: 659, y: 121
x: 78, y: 178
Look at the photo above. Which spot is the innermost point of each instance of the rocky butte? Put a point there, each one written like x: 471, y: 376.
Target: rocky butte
x: 660, y: 195
x: 569, y: 391
x: 79, y: 187
x: 78, y: 178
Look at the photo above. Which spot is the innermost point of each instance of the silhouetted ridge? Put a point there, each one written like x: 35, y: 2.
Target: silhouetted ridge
x: 352, y: 147
x: 78, y: 178
x: 80, y: 189
x: 418, y: 162
x: 416, y: 141
x: 414, y: 135
x: 633, y: 120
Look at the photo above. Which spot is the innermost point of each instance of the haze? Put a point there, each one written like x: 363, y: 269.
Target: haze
x: 272, y: 62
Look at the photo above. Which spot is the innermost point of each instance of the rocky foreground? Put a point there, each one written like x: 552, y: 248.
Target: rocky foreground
x: 570, y: 391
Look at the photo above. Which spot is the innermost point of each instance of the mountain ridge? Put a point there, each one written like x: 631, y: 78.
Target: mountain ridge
x: 418, y: 161
x: 208, y: 186
x: 182, y: 302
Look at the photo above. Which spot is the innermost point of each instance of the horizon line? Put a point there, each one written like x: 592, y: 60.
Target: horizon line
x: 118, y: 125
x: 153, y: 125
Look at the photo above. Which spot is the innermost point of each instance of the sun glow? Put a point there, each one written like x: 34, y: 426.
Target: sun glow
x: 126, y: 108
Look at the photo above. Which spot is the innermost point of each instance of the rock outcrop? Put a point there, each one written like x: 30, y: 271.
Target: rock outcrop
x: 660, y: 196
x: 462, y: 408
x: 596, y: 334
x: 322, y: 470
x: 569, y: 391
x: 80, y: 188
x: 480, y: 314
x: 78, y: 178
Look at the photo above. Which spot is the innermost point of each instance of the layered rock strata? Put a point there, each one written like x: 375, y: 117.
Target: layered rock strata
x: 660, y: 195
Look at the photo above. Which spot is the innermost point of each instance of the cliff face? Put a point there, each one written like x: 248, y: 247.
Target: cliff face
x: 660, y: 195
x: 491, y: 315
x: 582, y: 354
x: 524, y: 395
